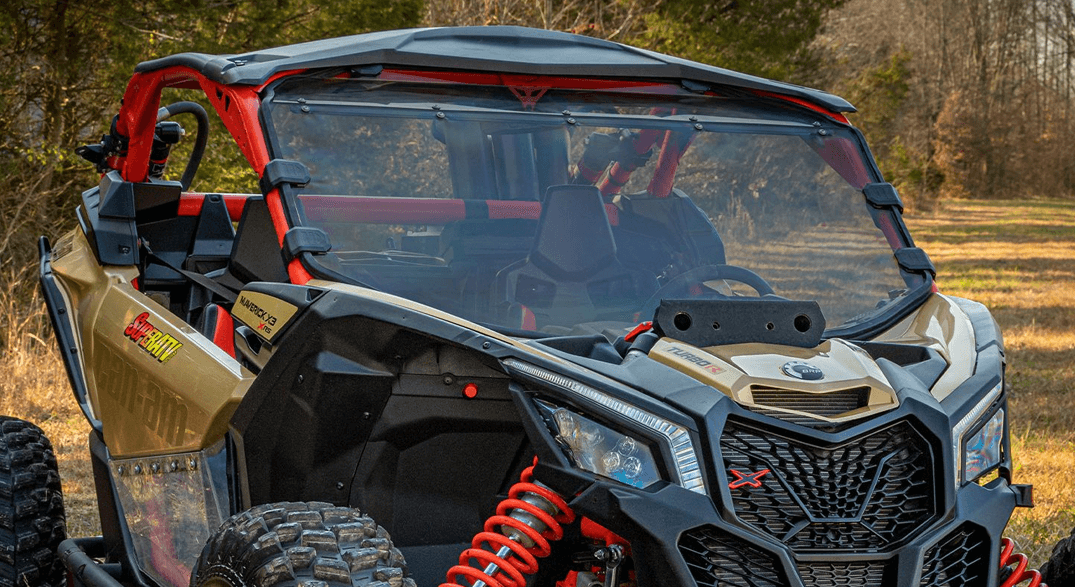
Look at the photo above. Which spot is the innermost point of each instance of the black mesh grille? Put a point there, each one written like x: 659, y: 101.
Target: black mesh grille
x: 718, y: 559
x: 849, y: 574
x: 828, y: 404
x: 866, y: 494
x: 962, y: 558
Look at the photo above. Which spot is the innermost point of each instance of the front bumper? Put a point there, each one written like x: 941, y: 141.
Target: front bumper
x: 958, y: 552
x: 872, y: 506
x: 77, y: 556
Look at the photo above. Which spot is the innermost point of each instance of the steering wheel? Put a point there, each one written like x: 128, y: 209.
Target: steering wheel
x: 677, y: 286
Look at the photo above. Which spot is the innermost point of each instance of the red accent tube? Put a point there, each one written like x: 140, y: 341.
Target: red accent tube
x: 436, y: 211
x: 618, y: 174
x: 592, y: 529
x: 672, y: 149
x: 833, y: 115
x: 190, y: 204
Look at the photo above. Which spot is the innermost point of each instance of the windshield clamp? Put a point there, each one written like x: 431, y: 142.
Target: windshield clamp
x: 882, y: 195
x: 305, y: 239
x: 283, y: 171
x: 915, y: 260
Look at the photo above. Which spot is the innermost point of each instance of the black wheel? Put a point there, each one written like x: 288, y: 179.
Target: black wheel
x: 300, y: 545
x: 32, y: 521
x: 1060, y: 570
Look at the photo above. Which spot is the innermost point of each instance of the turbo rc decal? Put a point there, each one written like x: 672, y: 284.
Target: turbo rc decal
x: 693, y: 358
x: 159, y: 345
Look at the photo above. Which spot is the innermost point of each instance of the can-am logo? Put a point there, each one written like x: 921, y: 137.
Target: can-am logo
x: 802, y: 370
x: 151, y: 339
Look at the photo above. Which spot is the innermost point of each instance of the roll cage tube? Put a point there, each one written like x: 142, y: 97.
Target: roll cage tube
x: 238, y: 107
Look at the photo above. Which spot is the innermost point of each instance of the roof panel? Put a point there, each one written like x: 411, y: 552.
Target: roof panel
x: 505, y: 49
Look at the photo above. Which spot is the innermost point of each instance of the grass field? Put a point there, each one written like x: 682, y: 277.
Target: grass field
x: 1018, y: 258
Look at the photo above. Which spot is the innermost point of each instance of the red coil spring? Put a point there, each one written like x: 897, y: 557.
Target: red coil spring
x: 1020, y: 573
x: 521, y: 560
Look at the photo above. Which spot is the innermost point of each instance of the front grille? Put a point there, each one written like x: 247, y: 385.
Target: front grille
x: 829, y: 404
x: 719, y: 559
x: 842, y: 574
x: 962, y: 558
x: 866, y: 494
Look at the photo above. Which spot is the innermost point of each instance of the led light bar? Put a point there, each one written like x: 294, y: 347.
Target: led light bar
x: 677, y: 437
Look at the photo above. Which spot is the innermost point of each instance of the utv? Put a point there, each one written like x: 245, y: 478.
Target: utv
x: 517, y: 307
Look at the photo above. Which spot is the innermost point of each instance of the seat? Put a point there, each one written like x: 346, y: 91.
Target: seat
x: 218, y: 326
x: 572, y: 273
x: 255, y: 256
x: 255, y: 252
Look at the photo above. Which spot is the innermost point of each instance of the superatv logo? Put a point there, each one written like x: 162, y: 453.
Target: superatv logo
x: 693, y: 358
x: 267, y: 322
x: 151, y: 339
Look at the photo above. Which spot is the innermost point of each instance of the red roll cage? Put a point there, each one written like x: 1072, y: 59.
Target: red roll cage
x: 239, y: 109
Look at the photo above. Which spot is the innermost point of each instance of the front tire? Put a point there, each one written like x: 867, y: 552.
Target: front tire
x: 32, y: 522
x: 1060, y: 570
x: 299, y: 544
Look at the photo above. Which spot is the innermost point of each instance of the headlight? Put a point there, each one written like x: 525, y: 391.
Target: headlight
x: 992, y: 437
x: 983, y: 449
x: 599, y: 449
x: 675, y: 437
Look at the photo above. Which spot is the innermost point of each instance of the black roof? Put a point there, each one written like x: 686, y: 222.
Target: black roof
x: 506, y: 49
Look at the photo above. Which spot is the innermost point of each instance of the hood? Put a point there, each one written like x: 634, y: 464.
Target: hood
x: 834, y: 382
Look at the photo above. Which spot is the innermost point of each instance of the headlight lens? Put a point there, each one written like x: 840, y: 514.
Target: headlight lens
x: 677, y: 439
x: 960, y: 430
x: 983, y: 450
x: 598, y: 449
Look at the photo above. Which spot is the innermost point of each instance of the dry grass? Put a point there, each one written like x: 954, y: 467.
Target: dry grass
x: 34, y: 387
x: 1018, y: 258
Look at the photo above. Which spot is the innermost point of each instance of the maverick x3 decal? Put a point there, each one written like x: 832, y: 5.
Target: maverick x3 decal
x: 151, y: 339
x: 263, y: 313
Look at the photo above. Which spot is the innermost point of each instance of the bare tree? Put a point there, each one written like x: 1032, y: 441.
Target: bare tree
x: 989, y: 89
x: 598, y: 18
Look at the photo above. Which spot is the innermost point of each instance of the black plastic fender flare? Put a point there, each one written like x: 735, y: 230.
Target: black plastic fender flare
x: 65, y: 335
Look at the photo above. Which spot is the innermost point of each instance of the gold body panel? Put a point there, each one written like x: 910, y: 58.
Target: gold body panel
x: 940, y: 324
x: 738, y: 370
x: 156, y: 384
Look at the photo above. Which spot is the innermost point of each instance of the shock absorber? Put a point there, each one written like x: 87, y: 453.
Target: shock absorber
x: 1020, y: 573
x: 516, y: 536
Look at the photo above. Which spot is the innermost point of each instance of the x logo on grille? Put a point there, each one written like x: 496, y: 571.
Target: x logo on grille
x: 747, y: 479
